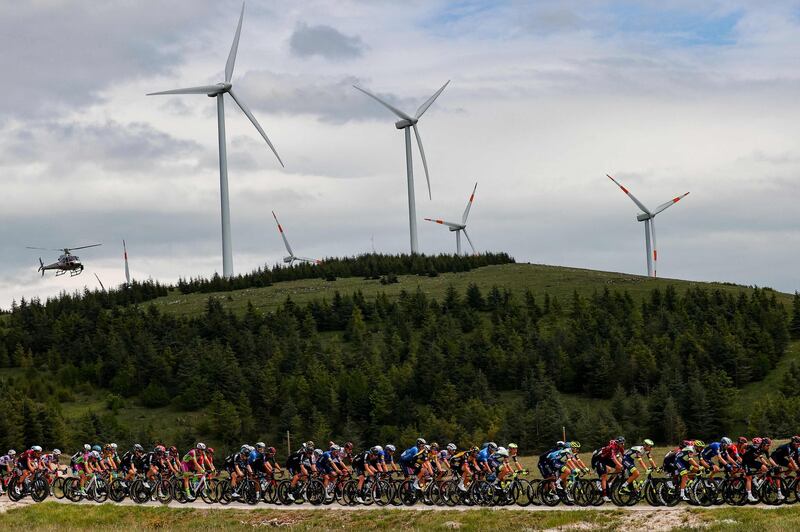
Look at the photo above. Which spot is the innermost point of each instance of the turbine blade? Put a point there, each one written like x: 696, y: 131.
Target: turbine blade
x: 392, y: 108
x: 203, y: 89
x: 670, y: 203
x: 306, y: 259
x: 470, y: 241
x: 631, y: 196
x: 101, y: 282
x: 424, y: 162
x: 234, y: 47
x: 127, y: 271
x: 252, y: 118
x: 283, y: 236
x: 429, y: 101
x: 469, y: 204
x: 444, y: 222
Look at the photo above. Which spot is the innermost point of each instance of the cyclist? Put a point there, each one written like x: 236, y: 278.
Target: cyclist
x: 788, y: 455
x: 257, y: 462
x: 28, y: 462
x: 270, y: 463
x: 756, y: 460
x: 194, y: 461
x: 49, y: 462
x: 107, y: 461
x: 131, y: 462
x: 410, y: 459
x: 299, y: 464
x: 460, y: 464
x: 388, y: 456
x: 236, y: 464
x: 563, y: 462
x: 379, y: 460
x: 327, y: 466
x: 485, y: 455
x: 543, y: 463
x: 607, y: 460
x: 173, y: 461
x: 632, y: 456
x: 718, y: 450
x: 685, y: 462
x: 150, y: 463
x: 443, y: 460
x: 513, y: 453
x: 363, y: 468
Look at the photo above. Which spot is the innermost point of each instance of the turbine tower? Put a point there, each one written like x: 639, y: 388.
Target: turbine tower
x: 291, y: 258
x: 462, y: 227
x: 218, y: 91
x: 649, y: 219
x: 406, y: 123
x: 127, y: 271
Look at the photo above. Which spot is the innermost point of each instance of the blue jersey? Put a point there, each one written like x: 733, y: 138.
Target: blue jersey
x: 380, y: 457
x: 325, y: 460
x: 713, y: 449
x: 254, y: 457
x: 483, y: 455
x: 558, y: 457
x: 409, y: 455
x: 388, y: 458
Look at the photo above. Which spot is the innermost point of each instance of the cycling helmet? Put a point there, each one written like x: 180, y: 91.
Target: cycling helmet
x: 648, y: 442
x: 138, y: 448
x: 451, y: 447
x: 512, y: 446
x: 271, y: 450
x: 210, y: 450
x: 756, y: 441
x: 435, y: 446
x: 502, y: 451
x: 348, y: 445
x: 426, y: 448
x: 795, y: 439
x: 474, y: 449
x: 637, y: 449
x: 96, y: 455
x: 698, y: 444
x: 97, y: 448
x: 376, y: 449
x: 421, y: 441
x: 725, y: 441
x: 561, y: 444
x: 113, y: 446
x: 334, y: 448
x: 36, y: 449
x: 742, y: 439
x: 87, y: 447
x: 317, y: 452
x: 260, y: 445
x: 575, y: 445
x: 766, y: 442
x: 390, y: 448
x: 201, y: 446
x: 160, y: 449
x: 56, y: 452
x: 172, y: 450
x: 245, y: 449
x: 688, y: 449
x: 620, y: 440
x: 12, y: 452
x: 308, y: 446
x: 492, y: 446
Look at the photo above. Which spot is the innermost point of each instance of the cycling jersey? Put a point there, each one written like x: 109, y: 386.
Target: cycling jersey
x: 751, y: 458
x: 629, y: 459
x: 483, y: 455
x: 256, y: 460
x: 49, y: 459
x: 8, y: 461
x: 683, y: 460
x: 388, y: 457
x: 457, y: 460
x: 613, y: 448
x: 711, y: 451
x: 408, y: 455
x: 783, y: 453
x: 295, y: 461
x: 324, y: 462
x: 25, y: 458
x: 360, y: 461
x: 187, y: 464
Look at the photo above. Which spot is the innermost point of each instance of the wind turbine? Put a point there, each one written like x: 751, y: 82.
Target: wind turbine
x: 649, y: 219
x: 406, y: 123
x: 127, y: 271
x: 218, y: 91
x: 101, y: 282
x: 462, y: 227
x: 291, y: 258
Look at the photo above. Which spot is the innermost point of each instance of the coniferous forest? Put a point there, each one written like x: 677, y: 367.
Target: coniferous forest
x: 472, y: 366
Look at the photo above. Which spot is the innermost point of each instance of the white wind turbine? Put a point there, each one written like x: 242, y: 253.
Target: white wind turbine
x: 649, y: 219
x: 405, y: 123
x: 218, y: 91
x: 127, y: 271
x: 462, y: 227
x: 291, y: 258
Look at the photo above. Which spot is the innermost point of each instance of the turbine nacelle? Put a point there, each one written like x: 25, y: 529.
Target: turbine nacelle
x: 288, y: 260
x: 223, y: 88
x: 643, y: 216
x: 402, y: 124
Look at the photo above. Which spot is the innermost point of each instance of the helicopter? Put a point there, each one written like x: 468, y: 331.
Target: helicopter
x: 67, y: 262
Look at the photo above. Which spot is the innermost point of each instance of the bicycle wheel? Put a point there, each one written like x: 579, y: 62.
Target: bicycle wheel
x: 72, y: 489
x: 651, y: 492
x: 164, y: 491
x: 768, y: 494
x: 15, y: 491
x: 520, y: 492
x: 408, y: 494
x: 548, y: 494
x: 382, y: 493
x: 735, y: 491
x: 315, y: 492
x: 39, y: 490
x: 139, y: 493
x: 57, y: 489
x: 100, y: 491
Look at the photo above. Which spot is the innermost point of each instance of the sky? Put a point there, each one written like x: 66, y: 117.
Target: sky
x: 545, y: 98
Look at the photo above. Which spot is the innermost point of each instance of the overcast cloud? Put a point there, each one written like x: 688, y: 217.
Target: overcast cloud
x: 546, y: 98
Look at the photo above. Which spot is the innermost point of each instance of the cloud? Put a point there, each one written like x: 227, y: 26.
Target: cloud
x: 324, y: 41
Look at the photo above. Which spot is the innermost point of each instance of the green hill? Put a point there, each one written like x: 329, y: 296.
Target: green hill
x: 557, y: 281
